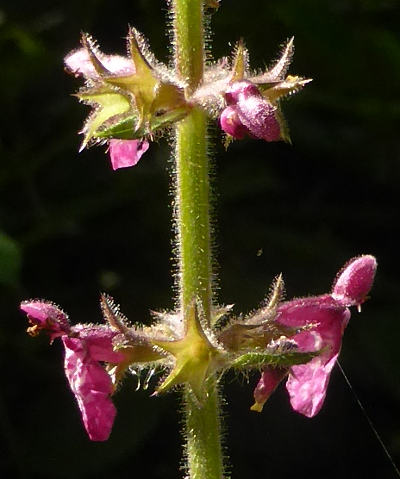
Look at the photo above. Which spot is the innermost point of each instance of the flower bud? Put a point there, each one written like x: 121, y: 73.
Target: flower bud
x: 354, y: 281
x: 248, y: 112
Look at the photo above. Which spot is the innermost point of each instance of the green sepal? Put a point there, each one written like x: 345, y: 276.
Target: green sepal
x: 281, y: 359
x: 278, y: 90
x: 284, y: 128
x: 195, y: 357
x: 109, y: 104
x: 278, y: 71
x: 132, y: 343
x: 90, y: 47
x: 218, y: 313
x: 125, y: 129
x: 240, y: 62
x: 152, y: 94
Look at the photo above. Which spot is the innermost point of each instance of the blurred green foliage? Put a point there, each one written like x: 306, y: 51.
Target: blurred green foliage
x: 70, y: 228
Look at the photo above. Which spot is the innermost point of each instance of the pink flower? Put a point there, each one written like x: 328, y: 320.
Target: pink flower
x: 248, y: 112
x: 91, y: 384
x: 269, y: 381
x: 47, y: 316
x: 125, y: 153
x: 79, y: 62
x: 86, y: 347
x: 327, y: 316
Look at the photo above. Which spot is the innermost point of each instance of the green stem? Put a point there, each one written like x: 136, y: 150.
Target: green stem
x: 192, y: 212
x: 192, y: 209
x: 203, y: 436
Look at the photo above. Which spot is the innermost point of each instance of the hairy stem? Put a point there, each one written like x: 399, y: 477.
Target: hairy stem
x: 203, y: 436
x: 192, y: 209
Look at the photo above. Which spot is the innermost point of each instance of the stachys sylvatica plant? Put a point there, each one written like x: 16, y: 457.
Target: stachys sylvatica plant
x: 135, y: 99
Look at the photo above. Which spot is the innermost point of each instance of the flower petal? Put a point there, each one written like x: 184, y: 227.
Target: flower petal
x: 323, y: 313
x: 270, y: 379
x: 79, y: 62
x: 307, y: 385
x: 46, y: 315
x: 248, y: 110
x: 231, y: 124
x: 98, y: 341
x: 258, y: 115
x: 354, y: 281
x: 125, y: 153
x: 92, y: 388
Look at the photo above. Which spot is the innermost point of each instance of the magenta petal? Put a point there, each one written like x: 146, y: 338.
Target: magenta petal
x: 125, y: 153
x: 46, y: 315
x: 98, y: 341
x: 92, y: 388
x: 354, y: 281
x: 231, y: 123
x: 307, y: 384
x: 327, y: 315
x: 249, y: 112
x: 259, y: 116
x: 270, y: 379
x: 241, y: 90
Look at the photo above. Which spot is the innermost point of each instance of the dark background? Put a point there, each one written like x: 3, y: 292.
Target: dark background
x: 70, y: 227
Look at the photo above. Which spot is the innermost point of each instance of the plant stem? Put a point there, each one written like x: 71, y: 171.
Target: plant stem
x: 192, y: 210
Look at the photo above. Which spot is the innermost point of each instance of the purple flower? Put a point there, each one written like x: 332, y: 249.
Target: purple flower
x: 125, y: 153
x: 248, y: 112
x: 326, y: 316
x: 86, y: 346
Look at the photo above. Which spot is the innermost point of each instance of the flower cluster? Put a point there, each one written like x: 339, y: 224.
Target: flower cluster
x: 300, y: 339
x: 136, y: 98
x: 328, y: 316
x: 132, y: 97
